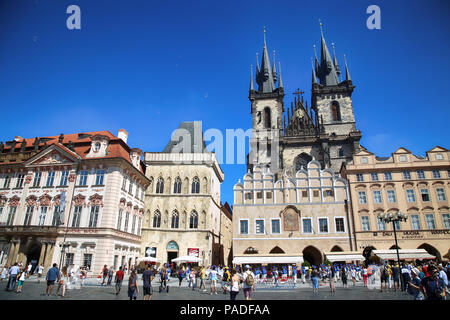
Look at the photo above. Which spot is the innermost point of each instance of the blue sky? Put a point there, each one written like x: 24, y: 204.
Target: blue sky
x: 146, y: 66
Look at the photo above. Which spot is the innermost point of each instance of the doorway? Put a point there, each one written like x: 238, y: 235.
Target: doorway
x: 171, y: 255
x: 33, y: 254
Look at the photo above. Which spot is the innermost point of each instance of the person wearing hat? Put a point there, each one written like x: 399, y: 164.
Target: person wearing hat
x: 414, y: 288
x: 248, y: 282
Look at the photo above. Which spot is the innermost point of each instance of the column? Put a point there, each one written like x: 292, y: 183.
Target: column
x: 12, y: 248
x: 43, y: 253
x: 49, y: 255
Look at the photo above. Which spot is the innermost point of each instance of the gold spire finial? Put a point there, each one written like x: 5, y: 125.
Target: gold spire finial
x: 320, y: 24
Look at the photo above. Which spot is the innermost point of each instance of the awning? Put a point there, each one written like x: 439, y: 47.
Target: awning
x: 187, y: 259
x: 344, y: 256
x: 267, y: 259
x: 404, y: 254
x: 147, y: 259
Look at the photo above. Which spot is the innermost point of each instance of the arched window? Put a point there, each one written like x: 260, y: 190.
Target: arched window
x: 175, y: 220
x: 301, y: 161
x: 267, y: 121
x: 177, y: 185
x: 335, y: 111
x: 160, y: 185
x: 193, y: 220
x: 196, y: 185
x: 157, y: 219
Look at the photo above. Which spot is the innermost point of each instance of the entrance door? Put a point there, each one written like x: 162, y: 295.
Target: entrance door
x: 33, y: 254
x: 171, y: 255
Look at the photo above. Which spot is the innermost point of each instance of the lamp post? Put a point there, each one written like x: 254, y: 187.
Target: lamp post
x: 394, y: 217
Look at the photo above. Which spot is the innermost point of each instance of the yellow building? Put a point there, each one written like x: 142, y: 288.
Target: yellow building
x: 406, y: 183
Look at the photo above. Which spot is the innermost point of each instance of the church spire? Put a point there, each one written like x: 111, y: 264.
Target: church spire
x: 274, y: 69
x: 265, y: 77
x: 252, y: 86
x: 314, y: 79
x: 335, y: 62
x: 280, y: 83
x: 347, y: 73
x: 327, y: 73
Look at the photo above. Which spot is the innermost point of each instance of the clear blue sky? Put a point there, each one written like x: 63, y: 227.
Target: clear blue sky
x: 146, y: 66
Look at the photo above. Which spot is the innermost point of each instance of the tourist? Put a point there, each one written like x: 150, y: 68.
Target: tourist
x: 396, y: 276
x: 28, y: 273
x: 331, y: 275
x: 226, y: 277
x: 52, y: 275
x: 4, y: 273
x: 21, y: 278
x: 443, y: 275
x: 365, y: 276
x: 303, y: 274
x: 213, y: 278
x: 353, y: 272
x: 315, y: 279
x: 433, y: 287
x: 192, y: 279
x: 414, y: 286
x: 202, y: 279
x: 133, y: 289
x: 406, y: 276
x: 344, y: 277
x: 110, y: 275
x: 13, y: 272
x: 62, y: 281
x: 389, y: 275
x: 119, y: 278
x: 104, y: 273
x: 248, y: 278
x: 40, y: 272
x: 264, y: 274
x: 383, y: 278
x: 294, y: 274
x: 180, y: 275
x: 235, y: 284
x: 147, y: 277
x: 163, y: 275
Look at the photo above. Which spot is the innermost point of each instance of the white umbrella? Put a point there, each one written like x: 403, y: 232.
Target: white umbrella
x: 186, y: 259
x: 147, y: 259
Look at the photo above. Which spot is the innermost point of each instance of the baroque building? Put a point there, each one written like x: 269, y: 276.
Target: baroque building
x: 404, y: 182
x: 71, y: 199
x: 183, y: 212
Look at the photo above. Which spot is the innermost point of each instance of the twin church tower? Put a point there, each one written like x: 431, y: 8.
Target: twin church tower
x: 285, y: 139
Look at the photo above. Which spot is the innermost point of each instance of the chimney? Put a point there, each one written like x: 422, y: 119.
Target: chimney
x: 18, y: 138
x: 123, y: 135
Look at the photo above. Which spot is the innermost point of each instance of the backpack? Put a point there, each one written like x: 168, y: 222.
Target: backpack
x: 225, y: 277
x: 249, y: 280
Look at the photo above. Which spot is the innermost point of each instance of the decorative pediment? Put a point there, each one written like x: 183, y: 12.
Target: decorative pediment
x: 402, y: 150
x: 53, y: 155
x: 14, y: 201
x: 438, y: 149
x: 136, y: 208
x: 364, y: 153
x: 79, y: 200
x: 3, y: 200
x: 31, y: 200
x: 96, y: 200
x: 45, y: 200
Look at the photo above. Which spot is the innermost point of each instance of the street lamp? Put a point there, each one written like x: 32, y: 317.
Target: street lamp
x: 394, y: 217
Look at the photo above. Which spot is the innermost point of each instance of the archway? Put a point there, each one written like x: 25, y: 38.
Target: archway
x: 33, y: 254
x: 172, y: 251
x: 301, y: 161
x: 394, y: 247
x: 431, y: 250
x: 312, y: 255
x: 336, y: 249
x: 276, y: 249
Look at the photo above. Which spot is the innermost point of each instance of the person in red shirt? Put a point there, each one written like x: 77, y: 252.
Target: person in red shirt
x: 119, y: 279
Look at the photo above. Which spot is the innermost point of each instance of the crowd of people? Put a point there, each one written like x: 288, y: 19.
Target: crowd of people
x: 422, y: 280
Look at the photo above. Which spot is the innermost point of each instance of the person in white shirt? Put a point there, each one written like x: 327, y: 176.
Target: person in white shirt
x: 21, y: 279
x: 4, y: 273
x: 249, y: 282
x: 13, y: 272
x: 40, y: 271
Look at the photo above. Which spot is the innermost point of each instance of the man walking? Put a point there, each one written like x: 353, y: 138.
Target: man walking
x: 118, y: 280
x: 13, y: 272
x: 249, y: 282
x: 433, y: 287
x: 52, y: 275
x: 110, y: 276
x: 147, y: 278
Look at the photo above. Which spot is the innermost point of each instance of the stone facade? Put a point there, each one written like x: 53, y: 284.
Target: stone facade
x: 417, y: 186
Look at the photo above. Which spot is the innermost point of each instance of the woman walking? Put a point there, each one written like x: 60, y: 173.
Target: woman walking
x: 315, y: 280
x: 4, y: 273
x: 365, y: 276
x: 133, y: 289
x: 63, y: 282
x: 235, y: 284
x: 331, y: 275
x: 344, y: 277
x: 21, y: 279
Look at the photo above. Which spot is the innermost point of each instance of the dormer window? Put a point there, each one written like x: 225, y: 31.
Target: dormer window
x: 97, y: 147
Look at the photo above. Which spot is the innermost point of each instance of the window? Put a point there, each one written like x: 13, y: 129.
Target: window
x: 275, y: 228
x: 139, y: 226
x: 364, y: 160
x: 20, y: 179
x: 328, y: 193
x: 267, y: 122
x: 431, y: 225
x: 381, y: 225
x: 69, y: 259
x: 175, y: 220
x: 388, y: 176
x: 307, y: 225
x: 177, y: 185
x: 193, y: 220
x: 268, y: 195
x: 440, y: 194
x: 446, y: 220
x: 196, y: 185
x: 259, y: 195
x: 12, y: 213
x: 362, y: 199
x: 6, y: 182
x: 359, y: 177
x: 55, y: 220
x: 50, y: 179
x: 374, y: 176
x: 83, y: 178
x: 410, y: 195
x: 64, y: 178
x: 243, y: 226
x: 339, y: 222
x: 130, y: 187
x: 323, y: 225
x: 315, y: 193
x: 28, y: 216
x: 415, y: 222
x: 365, y: 223
x: 436, y: 174
x: 99, y: 177
x: 160, y: 185
x: 425, y: 195
x: 124, y: 184
x: 407, y: 175
x: 37, y: 179
x: 403, y: 158
x: 93, y: 217
x: 335, y: 111
x: 391, y: 196
x: 157, y: 220
x: 127, y: 218
x: 259, y: 226
x: 97, y: 147
x: 420, y: 174
x: 87, y: 260
x: 42, y: 216
x: 377, y: 196
x: 133, y: 225
x: 439, y: 156
x: 248, y: 196
x: 76, y: 216
x: 305, y: 194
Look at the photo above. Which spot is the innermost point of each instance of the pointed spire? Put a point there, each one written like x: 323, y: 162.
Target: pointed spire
x: 274, y: 69
x: 252, y: 86
x: 335, y: 62
x: 257, y: 64
x: 316, y: 62
x: 347, y: 73
x: 280, y: 83
x: 314, y: 79
x: 265, y: 78
x: 327, y: 74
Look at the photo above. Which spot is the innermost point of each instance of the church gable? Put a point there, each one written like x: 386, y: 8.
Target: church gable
x: 53, y: 155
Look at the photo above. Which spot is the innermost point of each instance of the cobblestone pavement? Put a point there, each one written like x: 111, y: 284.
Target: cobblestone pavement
x: 94, y: 291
